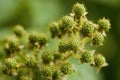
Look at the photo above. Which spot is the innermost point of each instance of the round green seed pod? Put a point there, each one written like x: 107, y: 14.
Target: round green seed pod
x: 104, y: 24
x: 98, y: 39
x: 47, y: 72
x: 87, y: 29
x: 10, y: 63
x: 33, y: 38
x: 31, y: 61
x: 42, y: 40
x: 54, y: 29
x: 19, y: 31
x: 13, y: 46
x: 86, y: 57
x: 47, y: 56
x: 99, y: 61
x: 72, y: 46
x: 69, y: 45
x: 66, y: 68
x: 65, y: 24
x: 79, y: 10
x: 62, y: 46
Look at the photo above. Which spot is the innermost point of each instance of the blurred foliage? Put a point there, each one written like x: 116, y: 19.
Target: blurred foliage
x: 37, y: 14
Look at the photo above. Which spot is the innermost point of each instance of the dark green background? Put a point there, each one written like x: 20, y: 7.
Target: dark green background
x: 37, y: 14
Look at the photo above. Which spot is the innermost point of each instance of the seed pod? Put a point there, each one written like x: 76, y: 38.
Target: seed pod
x: 65, y: 24
x: 69, y: 45
x: 47, y: 56
x: 98, y: 39
x: 31, y: 61
x: 42, y: 40
x: 100, y: 61
x: 104, y: 24
x: 79, y: 10
x: 87, y: 29
x: 47, y: 72
x: 33, y: 38
x: 66, y: 68
x: 10, y: 63
x: 54, y: 29
x: 19, y: 31
x: 86, y: 57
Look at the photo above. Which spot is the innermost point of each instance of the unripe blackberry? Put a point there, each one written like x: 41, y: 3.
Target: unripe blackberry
x: 56, y: 75
x: 57, y: 56
x: 54, y: 29
x: 10, y: 63
x: 100, y: 61
x: 66, y: 68
x: 79, y: 10
x: 42, y: 40
x: 31, y: 61
x: 66, y: 23
x: 86, y: 57
x: 69, y: 45
x: 87, y: 28
x: 33, y: 38
x: 104, y: 24
x: 98, y: 39
x: 62, y: 46
x: 19, y: 31
x: 47, y: 56
x: 12, y: 45
x: 47, y: 72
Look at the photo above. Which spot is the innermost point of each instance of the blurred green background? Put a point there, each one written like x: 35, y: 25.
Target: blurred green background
x: 37, y: 14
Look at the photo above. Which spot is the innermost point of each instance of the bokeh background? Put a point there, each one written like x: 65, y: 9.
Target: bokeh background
x: 37, y: 14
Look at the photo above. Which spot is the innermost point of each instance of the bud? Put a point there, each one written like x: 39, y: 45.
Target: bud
x: 98, y: 39
x: 66, y: 23
x: 66, y: 68
x: 86, y: 57
x: 104, y: 24
x: 47, y: 72
x: 47, y: 56
x: 54, y: 29
x: 13, y: 46
x: 87, y: 28
x: 31, y: 61
x: 100, y: 61
x: 79, y: 10
x: 10, y: 63
x: 19, y: 31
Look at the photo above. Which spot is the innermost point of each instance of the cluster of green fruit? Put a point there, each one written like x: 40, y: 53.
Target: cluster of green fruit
x: 26, y: 54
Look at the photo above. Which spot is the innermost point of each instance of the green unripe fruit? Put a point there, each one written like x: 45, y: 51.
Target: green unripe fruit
x: 54, y: 29
x: 19, y: 31
x: 12, y: 45
x: 87, y: 29
x: 79, y: 10
x: 86, y: 57
x: 33, y: 38
x: 42, y: 40
x: 98, y: 39
x: 65, y: 24
x: 47, y: 72
x: 31, y: 61
x: 62, y: 46
x: 47, y: 56
x: 10, y: 63
x: 57, y: 56
x: 104, y: 24
x: 66, y: 68
x: 69, y: 45
x: 99, y: 61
